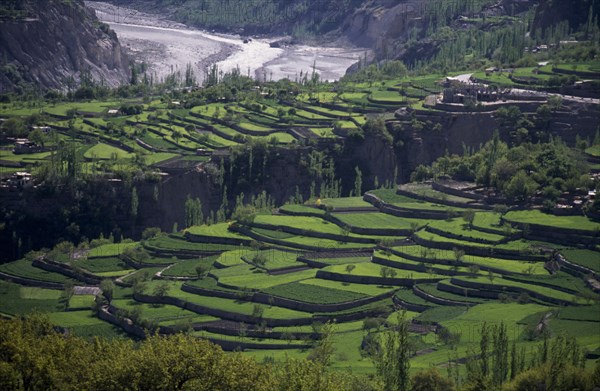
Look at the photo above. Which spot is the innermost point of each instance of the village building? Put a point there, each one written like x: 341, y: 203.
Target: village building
x: 18, y: 180
x: 23, y: 146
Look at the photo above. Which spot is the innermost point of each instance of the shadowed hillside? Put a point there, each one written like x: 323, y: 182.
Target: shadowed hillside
x: 51, y: 43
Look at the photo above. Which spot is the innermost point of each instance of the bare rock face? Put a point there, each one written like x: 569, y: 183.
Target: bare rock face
x: 54, y: 43
x: 378, y: 21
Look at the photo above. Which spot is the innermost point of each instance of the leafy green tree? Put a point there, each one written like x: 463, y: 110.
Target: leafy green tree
x: 244, y: 214
x: 202, y: 271
x: 431, y: 380
x: 161, y: 289
x: 500, y: 355
x: 107, y: 287
x: 469, y: 217
x: 37, y: 136
x: 193, y: 211
x: 259, y: 259
x: 392, y: 361
x: 150, y: 233
x: 520, y: 187
x: 323, y: 351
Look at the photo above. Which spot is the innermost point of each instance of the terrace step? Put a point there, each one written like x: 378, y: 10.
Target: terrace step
x: 350, y: 210
x: 288, y: 270
x: 302, y: 133
x: 410, y: 306
x: 448, y: 286
x: 438, y: 300
x: 30, y: 281
x: 227, y: 327
x: 64, y: 269
x: 422, y: 329
x: 399, y: 211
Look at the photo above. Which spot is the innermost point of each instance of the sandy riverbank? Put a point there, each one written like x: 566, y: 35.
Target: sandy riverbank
x: 168, y: 46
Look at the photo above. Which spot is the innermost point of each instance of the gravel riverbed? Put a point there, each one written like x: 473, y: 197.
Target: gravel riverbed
x: 167, y: 46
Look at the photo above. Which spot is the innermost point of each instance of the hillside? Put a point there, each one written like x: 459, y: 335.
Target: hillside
x: 253, y: 17
x: 435, y: 33
x: 280, y: 283
x: 55, y: 44
x: 430, y: 223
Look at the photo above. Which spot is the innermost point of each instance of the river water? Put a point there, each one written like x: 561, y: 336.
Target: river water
x: 168, y: 46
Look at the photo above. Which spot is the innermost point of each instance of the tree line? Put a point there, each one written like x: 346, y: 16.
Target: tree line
x: 36, y: 355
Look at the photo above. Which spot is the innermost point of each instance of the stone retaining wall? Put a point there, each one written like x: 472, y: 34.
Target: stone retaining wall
x: 562, y: 261
x: 418, y: 268
x: 438, y: 300
x: 259, y: 297
x: 347, y: 317
x: 237, y: 127
x: 66, y: 270
x: 312, y: 263
x: 541, y: 283
x: 443, y: 202
x: 125, y: 324
x: 408, y: 282
x: 368, y: 231
x: 555, y: 233
x: 447, y: 262
x: 216, y: 240
x: 456, y: 192
x: 451, y: 235
x: 503, y: 289
x: 307, y: 247
x: 403, y: 212
x: 410, y: 306
x: 179, y: 253
x: 237, y: 317
x: 470, y: 292
x: 320, y: 235
x: 249, y: 332
x: 229, y: 345
x: 480, y: 251
x: 139, y: 265
x: 307, y: 213
x: 30, y: 281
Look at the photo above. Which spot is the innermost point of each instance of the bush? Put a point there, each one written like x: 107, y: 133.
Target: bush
x: 431, y: 380
x: 150, y: 232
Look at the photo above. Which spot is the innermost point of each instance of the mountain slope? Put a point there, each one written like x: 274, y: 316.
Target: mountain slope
x: 298, y: 17
x: 50, y: 43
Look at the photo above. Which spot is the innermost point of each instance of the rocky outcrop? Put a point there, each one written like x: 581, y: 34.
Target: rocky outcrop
x: 377, y: 21
x: 55, y: 43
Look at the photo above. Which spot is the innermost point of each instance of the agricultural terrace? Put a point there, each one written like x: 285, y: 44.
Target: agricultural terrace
x: 267, y: 285
x: 119, y: 135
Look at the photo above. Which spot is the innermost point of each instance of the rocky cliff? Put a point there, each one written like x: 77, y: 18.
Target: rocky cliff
x: 52, y: 42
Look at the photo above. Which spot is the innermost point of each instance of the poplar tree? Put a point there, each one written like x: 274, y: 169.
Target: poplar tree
x: 393, y: 358
x: 358, y: 182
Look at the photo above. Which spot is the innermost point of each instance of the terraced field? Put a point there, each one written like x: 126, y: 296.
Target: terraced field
x: 162, y: 133
x: 265, y: 285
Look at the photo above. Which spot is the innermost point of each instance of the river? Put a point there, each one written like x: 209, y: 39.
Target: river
x: 167, y: 46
